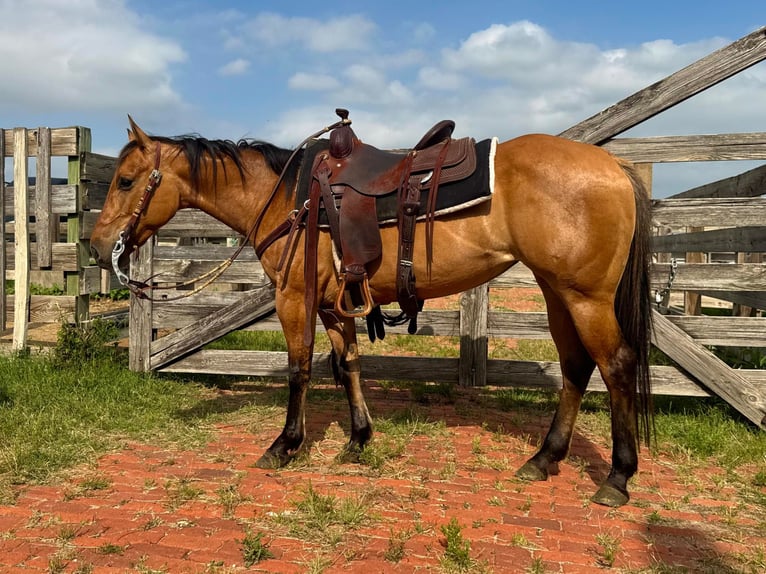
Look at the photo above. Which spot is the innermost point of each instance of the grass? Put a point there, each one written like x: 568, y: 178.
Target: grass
x: 60, y: 410
x: 326, y: 518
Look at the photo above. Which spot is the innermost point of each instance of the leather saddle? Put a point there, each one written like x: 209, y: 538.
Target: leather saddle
x: 349, y: 176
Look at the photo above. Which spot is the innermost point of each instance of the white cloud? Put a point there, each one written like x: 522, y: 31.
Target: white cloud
x: 82, y: 54
x: 236, y: 67
x: 313, y: 82
x: 347, y: 33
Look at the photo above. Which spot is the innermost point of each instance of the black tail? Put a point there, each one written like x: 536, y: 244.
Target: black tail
x: 633, y: 302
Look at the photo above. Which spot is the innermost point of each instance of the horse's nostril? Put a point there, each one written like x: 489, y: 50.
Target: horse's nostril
x: 94, y: 253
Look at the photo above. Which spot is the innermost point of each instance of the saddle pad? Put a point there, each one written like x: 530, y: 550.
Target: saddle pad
x: 452, y: 196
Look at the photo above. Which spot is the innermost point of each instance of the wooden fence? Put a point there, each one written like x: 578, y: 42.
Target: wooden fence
x: 722, y: 217
x: 42, y: 223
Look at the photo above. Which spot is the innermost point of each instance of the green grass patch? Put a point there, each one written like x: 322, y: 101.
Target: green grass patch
x: 62, y: 409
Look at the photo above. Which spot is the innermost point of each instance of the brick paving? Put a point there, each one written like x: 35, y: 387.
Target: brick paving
x: 149, y: 509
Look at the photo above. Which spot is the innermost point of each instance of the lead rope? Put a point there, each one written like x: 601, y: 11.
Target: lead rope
x: 141, y: 288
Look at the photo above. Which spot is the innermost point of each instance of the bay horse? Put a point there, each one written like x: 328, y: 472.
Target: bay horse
x: 575, y: 215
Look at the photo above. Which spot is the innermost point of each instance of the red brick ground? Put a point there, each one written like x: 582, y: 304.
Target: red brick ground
x: 160, y: 510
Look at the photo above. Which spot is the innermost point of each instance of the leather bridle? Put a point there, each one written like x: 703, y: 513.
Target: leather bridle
x: 155, y: 178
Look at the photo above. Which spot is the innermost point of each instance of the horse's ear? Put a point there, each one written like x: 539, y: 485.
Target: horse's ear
x: 137, y: 135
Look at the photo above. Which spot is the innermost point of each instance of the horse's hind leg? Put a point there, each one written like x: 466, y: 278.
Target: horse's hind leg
x: 576, y: 369
x: 601, y: 335
x: 347, y: 372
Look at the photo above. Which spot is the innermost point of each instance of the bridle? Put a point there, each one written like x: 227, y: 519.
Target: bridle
x: 155, y: 178
x: 141, y: 288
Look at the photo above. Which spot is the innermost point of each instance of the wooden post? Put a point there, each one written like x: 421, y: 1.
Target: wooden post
x: 140, y: 316
x: 3, y: 310
x: 693, y: 301
x: 474, y: 310
x: 21, y: 239
x: 46, y: 224
x: 72, y: 278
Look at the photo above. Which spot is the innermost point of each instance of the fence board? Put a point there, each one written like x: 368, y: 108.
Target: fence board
x: 660, y: 149
x: 46, y: 223
x: 64, y: 141
x: 719, y: 212
x: 672, y: 90
x: 751, y: 183
x: 726, y: 382
x: 3, y: 263
x: 21, y: 239
x: 712, y: 276
x: 714, y: 240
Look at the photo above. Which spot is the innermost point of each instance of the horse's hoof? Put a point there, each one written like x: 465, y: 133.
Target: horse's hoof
x: 271, y: 461
x: 610, y: 495
x: 531, y: 472
x: 350, y: 454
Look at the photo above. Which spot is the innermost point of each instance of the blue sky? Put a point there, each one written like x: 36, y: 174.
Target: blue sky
x: 277, y: 70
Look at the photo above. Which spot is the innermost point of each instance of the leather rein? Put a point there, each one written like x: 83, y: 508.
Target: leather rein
x: 141, y: 289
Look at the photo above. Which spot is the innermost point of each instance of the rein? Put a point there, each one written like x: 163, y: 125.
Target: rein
x: 141, y: 288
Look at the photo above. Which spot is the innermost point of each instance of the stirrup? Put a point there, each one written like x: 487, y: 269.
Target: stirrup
x: 366, y: 296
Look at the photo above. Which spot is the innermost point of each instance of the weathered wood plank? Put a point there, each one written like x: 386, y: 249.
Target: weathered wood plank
x: 253, y: 305
x: 660, y: 149
x: 720, y: 212
x: 522, y: 374
x: 64, y: 142
x: 3, y: 241
x: 47, y: 223
x: 63, y: 257
x: 716, y: 375
x: 140, y: 314
x: 49, y: 308
x: 718, y: 240
x: 97, y: 167
x: 751, y: 183
x: 62, y: 198
x: 711, y: 276
x: 21, y: 239
x: 474, y: 307
x: 672, y: 90
x: 755, y: 299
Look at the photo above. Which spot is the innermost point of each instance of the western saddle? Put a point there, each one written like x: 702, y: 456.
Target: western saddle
x: 346, y: 180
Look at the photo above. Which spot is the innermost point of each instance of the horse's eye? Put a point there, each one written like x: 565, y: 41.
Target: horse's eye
x: 124, y: 183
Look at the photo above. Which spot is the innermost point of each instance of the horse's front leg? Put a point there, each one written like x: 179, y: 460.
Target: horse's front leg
x: 347, y: 372
x: 292, y: 315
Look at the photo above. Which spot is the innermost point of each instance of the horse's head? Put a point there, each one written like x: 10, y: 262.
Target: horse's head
x: 144, y: 194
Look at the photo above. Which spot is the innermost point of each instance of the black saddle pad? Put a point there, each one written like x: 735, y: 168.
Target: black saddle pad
x: 451, y: 196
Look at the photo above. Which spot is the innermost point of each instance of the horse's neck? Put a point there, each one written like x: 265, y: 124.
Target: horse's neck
x: 238, y: 203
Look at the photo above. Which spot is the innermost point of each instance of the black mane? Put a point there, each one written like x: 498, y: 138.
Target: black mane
x: 196, y: 148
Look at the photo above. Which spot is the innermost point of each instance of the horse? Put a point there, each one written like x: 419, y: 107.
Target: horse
x: 577, y: 216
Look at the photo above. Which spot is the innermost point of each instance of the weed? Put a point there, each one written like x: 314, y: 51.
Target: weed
x: 395, y: 550
x: 609, y: 547
x: 254, y: 550
x: 229, y: 497
x: 759, y: 479
x: 537, y: 566
x: 457, y: 550
x: 109, y: 548
x: 78, y: 344
x: 179, y: 491
x: 324, y: 517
